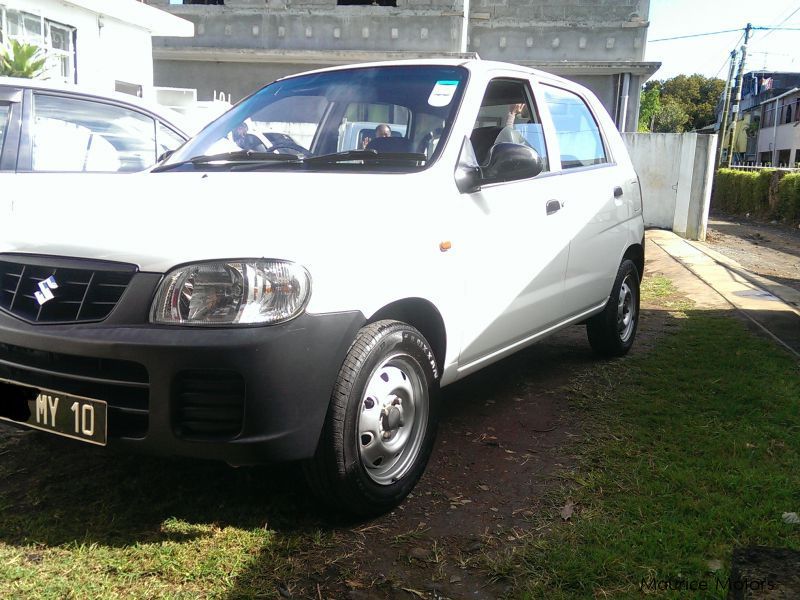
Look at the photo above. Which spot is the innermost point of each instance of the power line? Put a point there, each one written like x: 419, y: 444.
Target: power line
x: 727, y: 57
x: 696, y: 35
x: 796, y: 10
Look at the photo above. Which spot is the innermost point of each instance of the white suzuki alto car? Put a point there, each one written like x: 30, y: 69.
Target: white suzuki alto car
x: 299, y: 280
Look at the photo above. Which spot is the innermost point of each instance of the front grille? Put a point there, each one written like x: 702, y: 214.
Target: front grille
x: 209, y: 404
x: 122, y: 384
x: 86, y: 290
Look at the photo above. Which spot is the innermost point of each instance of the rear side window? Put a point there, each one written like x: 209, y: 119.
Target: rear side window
x: 578, y: 135
x: 4, y: 111
x: 82, y: 135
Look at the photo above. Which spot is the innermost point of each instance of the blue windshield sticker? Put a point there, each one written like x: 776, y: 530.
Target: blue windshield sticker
x: 442, y: 93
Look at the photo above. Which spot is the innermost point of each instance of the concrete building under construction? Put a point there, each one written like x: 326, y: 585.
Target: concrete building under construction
x: 239, y: 45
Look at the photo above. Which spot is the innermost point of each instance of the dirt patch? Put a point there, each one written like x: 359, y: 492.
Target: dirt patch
x: 506, y: 435
x: 767, y: 249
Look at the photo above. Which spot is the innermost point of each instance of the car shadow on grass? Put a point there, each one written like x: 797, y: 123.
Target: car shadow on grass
x: 57, y: 491
x: 54, y: 492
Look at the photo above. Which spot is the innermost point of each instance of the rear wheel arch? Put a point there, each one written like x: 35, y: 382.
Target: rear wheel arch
x: 635, y: 253
x: 423, y: 316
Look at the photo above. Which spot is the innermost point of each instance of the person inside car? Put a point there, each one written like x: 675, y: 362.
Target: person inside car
x: 247, y: 139
x: 381, y: 131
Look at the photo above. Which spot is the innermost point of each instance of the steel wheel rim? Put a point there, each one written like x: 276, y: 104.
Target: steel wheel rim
x: 626, y: 310
x: 392, y: 419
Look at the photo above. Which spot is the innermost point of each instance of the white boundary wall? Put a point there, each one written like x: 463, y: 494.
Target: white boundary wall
x: 676, y: 171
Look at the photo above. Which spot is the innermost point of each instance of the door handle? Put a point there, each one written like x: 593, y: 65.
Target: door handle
x: 617, y: 192
x: 552, y: 207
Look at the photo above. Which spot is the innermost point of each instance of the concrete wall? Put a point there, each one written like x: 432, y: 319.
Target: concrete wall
x: 237, y: 79
x: 676, y: 172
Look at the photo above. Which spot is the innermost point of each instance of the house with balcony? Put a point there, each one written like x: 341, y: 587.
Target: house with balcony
x: 768, y: 99
x: 779, y: 131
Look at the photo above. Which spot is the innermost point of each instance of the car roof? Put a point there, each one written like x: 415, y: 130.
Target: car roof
x: 474, y: 65
x: 169, y: 116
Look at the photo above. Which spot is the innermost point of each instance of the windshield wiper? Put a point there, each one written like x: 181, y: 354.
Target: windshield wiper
x: 237, y: 156
x: 366, y: 155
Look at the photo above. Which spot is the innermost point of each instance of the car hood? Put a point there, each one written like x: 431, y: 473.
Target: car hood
x: 160, y: 220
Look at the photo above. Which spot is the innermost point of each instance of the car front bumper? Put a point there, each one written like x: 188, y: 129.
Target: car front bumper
x: 243, y: 395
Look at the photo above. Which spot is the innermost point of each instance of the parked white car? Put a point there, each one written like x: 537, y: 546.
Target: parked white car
x: 272, y: 292
x: 53, y: 127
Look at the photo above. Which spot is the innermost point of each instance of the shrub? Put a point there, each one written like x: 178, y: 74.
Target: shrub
x: 742, y: 192
x: 788, y: 205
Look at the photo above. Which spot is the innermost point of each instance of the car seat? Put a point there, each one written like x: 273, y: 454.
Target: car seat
x: 390, y: 144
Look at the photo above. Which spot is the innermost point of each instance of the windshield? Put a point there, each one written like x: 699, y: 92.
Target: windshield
x: 370, y: 118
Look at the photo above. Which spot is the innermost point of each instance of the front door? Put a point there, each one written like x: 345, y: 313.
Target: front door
x: 516, y: 254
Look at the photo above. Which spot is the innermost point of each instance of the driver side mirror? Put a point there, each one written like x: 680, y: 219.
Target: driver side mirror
x: 505, y: 162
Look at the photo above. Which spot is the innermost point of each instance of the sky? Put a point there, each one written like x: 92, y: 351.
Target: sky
x: 710, y: 55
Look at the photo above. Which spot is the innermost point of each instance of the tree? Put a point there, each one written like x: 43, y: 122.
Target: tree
x: 688, y: 102
x: 18, y: 59
x: 649, y: 106
x: 671, y: 118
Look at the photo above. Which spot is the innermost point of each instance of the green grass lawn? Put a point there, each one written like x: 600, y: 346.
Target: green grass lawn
x: 684, y: 452
x: 689, y: 451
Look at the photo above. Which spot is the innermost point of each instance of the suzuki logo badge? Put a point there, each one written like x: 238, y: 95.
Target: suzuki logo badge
x: 46, y: 288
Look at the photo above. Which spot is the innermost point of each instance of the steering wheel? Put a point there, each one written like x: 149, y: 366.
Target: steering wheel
x: 295, y: 149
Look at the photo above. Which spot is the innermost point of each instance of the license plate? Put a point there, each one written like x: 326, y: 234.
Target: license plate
x: 71, y: 416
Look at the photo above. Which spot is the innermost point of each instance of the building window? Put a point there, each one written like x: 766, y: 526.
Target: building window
x: 56, y: 39
x: 769, y: 116
x: 783, y: 157
x: 788, y: 114
x: 366, y: 2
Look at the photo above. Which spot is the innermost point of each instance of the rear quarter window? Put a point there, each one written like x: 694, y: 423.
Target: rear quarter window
x: 5, y: 109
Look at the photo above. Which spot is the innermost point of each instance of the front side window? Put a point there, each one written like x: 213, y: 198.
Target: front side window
x: 373, y: 119
x: 578, y: 135
x: 71, y: 134
x: 507, y: 114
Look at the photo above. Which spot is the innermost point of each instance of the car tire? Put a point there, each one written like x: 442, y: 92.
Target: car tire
x: 381, y: 422
x: 611, y: 332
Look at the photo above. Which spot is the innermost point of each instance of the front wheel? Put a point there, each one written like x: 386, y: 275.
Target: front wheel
x: 611, y: 332
x: 381, y: 422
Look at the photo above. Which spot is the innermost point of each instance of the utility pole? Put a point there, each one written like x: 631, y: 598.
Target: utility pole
x: 738, y: 93
x: 726, y: 105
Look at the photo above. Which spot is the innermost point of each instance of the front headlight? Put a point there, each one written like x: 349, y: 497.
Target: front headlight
x: 234, y: 292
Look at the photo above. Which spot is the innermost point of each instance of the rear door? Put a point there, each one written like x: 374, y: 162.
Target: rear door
x: 592, y: 189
